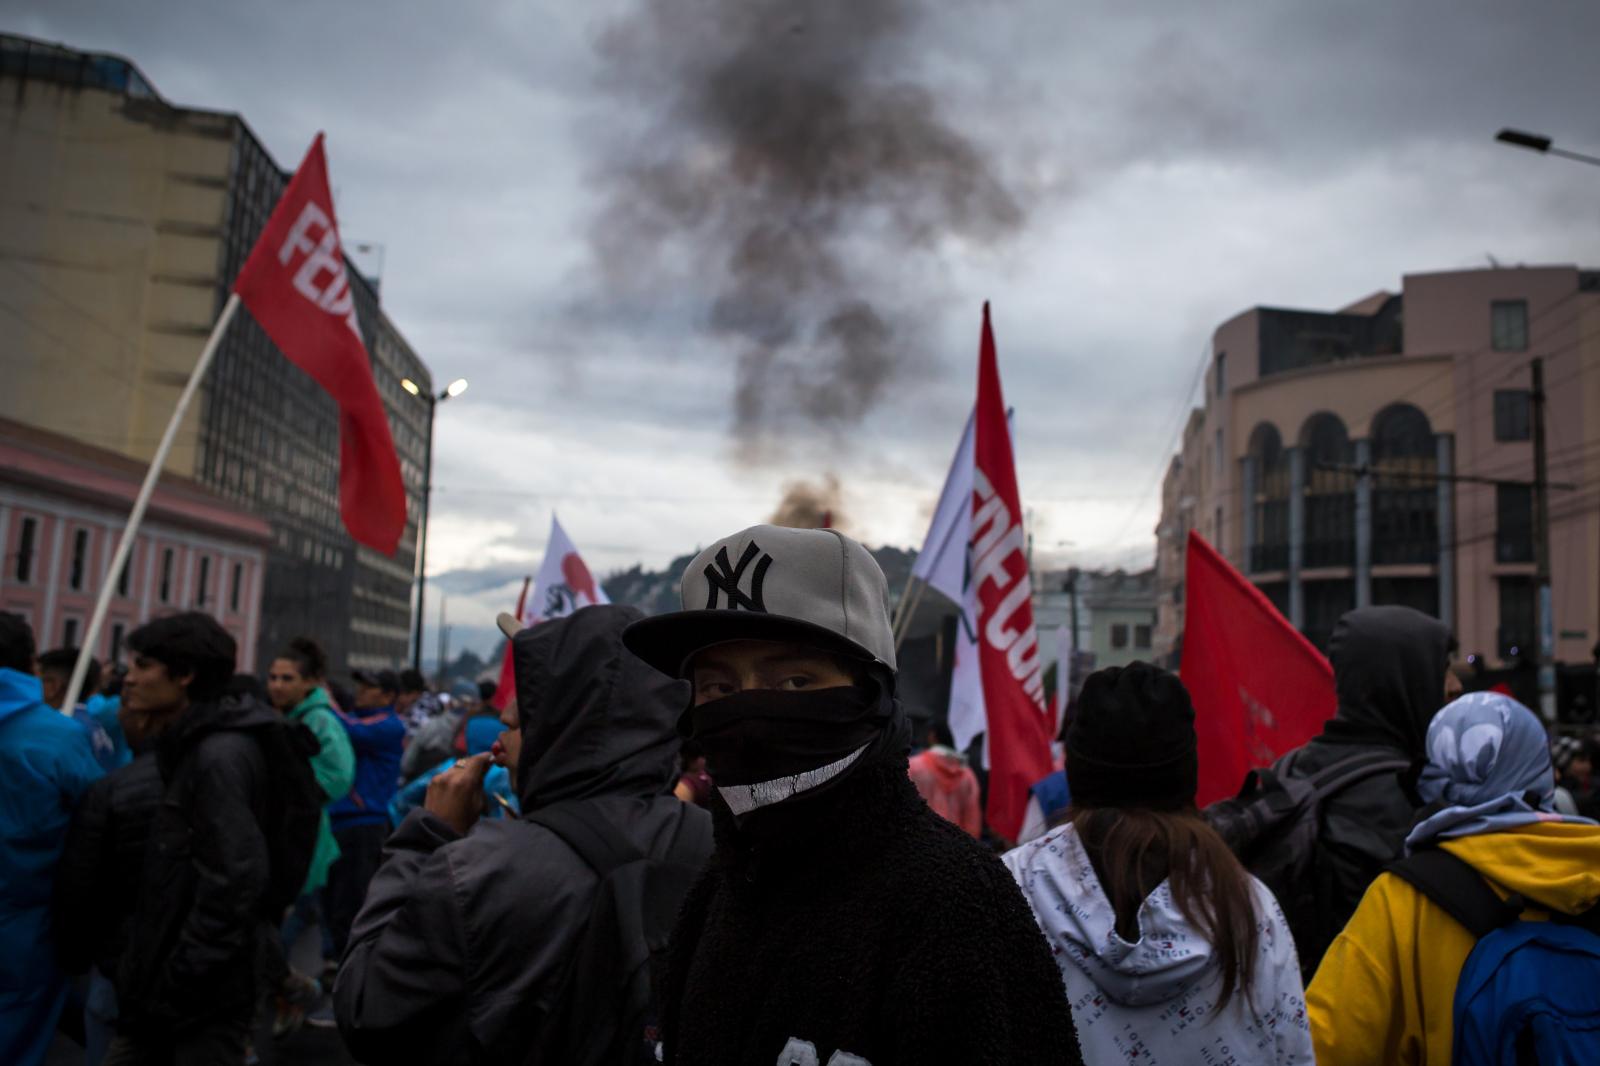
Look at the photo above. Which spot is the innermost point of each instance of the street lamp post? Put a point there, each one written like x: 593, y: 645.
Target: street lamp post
x: 1537, y: 142
x: 454, y: 389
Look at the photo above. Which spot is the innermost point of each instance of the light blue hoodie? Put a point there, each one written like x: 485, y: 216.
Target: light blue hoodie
x: 46, y: 763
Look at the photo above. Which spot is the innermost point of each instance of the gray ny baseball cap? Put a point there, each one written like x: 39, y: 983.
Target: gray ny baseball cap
x: 811, y: 586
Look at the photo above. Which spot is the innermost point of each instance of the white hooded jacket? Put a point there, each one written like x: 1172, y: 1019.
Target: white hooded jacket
x: 1152, y: 1002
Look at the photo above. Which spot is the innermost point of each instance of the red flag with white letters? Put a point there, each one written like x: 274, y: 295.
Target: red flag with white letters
x: 1020, y: 726
x: 296, y: 286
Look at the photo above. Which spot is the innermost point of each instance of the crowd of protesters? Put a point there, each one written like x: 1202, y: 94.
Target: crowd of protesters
x: 703, y: 838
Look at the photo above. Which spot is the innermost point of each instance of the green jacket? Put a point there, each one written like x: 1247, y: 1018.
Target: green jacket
x: 335, y: 770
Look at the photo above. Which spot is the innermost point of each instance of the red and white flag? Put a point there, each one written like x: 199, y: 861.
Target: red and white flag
x: 296, y: 286
x: 1260, y: 689
x: 1000, y: 598
x: 564, y: 584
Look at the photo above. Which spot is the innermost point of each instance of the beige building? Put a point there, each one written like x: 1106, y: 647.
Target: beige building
x: 1382, y: 454
x: 123, y: 221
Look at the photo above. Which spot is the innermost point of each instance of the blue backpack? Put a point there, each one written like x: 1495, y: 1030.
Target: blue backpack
x: 1528, y: 991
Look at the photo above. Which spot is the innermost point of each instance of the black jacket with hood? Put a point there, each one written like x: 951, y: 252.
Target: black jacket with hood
x: 192, y: 944
x: 459, y: 952
x: 1389, y: 667
x: 855, y: 926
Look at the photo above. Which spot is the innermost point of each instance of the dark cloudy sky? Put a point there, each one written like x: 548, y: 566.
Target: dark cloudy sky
x: 1130, y: 175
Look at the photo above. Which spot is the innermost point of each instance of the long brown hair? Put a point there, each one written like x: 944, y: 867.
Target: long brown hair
x: 1133, y: 850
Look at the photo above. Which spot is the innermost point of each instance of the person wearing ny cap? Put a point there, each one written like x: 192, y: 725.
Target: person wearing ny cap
x: 1170, y: 951
x: 839, y: 920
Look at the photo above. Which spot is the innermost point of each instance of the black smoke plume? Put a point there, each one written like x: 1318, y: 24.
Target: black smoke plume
x: 783, y: 169
x: 811, y: 505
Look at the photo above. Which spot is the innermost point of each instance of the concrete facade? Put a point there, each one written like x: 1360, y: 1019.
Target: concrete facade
x: 1327, y: 462
x: 1116, y: 613
x: 62, y: 509
x: 123, y: 222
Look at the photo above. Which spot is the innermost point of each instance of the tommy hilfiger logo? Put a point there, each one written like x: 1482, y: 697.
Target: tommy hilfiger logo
x: 728, y: 578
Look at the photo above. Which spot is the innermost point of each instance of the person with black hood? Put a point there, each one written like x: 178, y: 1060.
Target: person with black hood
x: 470, y: 925
x: 187, y: 972
x: 1391, y: 668
x: 840, y: 921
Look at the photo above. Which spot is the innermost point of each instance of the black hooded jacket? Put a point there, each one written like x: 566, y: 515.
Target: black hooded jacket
x: 1389, y: 667
x: 458, y: 954
x: 191, y: 947
x: 855, y: 926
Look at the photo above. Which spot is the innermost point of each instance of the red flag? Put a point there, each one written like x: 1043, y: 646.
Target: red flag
x: 1019, y: 725
x: 507, y: 686
x: 1260, y: 689
x: 296, y: 286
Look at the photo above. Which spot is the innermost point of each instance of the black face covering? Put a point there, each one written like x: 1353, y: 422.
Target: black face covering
x: 764, y: 734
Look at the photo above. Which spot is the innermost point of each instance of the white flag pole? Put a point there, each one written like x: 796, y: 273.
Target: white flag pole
x: 125, y: 546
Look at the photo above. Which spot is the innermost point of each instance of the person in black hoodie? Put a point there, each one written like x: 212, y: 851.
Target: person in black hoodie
x: 840, y: 921
x: 186, y: 976
x: 469, y: 925
x: 1391, y: 668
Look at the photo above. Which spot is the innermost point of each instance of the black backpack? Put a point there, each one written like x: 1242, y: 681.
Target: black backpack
x: 607, y: 1006
x: 294, y: 811
x: 1274, y: 826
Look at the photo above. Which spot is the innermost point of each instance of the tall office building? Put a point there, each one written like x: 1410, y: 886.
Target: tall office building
x: 123, y: 222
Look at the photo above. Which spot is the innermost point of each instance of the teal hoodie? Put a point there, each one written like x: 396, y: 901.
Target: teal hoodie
x: 46, y: 764
x: 335, y: 770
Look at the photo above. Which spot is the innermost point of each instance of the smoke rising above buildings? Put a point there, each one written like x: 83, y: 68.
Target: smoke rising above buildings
x: 798, y: 185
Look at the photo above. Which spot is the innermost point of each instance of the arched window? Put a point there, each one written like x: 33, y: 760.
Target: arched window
x: 1330, y: 492
x: 1405, y: 487
x: 1271, y: 503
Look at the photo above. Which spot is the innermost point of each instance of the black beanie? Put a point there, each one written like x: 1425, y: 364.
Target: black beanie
x: 1132, y: 743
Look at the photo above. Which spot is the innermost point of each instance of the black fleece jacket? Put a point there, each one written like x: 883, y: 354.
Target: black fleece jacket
x: 857, y: 927
x: 1388, y: 665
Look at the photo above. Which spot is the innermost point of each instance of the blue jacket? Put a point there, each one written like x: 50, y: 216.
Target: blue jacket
x: 46, y: 764
x: 377, y: 737
x: 497, y: 782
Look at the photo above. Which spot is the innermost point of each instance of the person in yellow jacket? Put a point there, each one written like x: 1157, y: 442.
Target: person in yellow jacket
x: 1385, y: 991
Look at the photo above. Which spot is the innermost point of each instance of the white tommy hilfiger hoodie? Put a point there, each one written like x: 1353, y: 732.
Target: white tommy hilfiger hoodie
x: 1152, y: 1002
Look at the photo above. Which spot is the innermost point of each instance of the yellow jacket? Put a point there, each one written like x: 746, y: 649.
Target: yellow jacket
x: 1385, y: 991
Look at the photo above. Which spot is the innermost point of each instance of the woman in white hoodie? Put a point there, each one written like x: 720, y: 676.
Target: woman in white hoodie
x: 1171, y: 953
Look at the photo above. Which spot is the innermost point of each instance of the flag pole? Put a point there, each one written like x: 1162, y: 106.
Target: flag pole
x: 908, y: 610
x: 125, y: 546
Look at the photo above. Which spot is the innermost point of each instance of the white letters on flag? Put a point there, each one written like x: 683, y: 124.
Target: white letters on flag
x: 565, y: 582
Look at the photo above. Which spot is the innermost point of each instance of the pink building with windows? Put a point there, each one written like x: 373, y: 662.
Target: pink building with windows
x: 62, y: 507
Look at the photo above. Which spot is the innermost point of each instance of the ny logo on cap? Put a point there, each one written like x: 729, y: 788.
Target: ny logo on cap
x: 728, y: 577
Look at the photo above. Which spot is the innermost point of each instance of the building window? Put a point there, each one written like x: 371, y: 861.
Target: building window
x: 1219, y: 453
x: 1119, y: 635
x: 233, y: 592
x: 1518, y: 633
x: 1512, y: 409
x: 205, y: 581
x: 1508, y: 325
x: 122, y: 578
x: 69, y: 633
x: 1141, y: 636
x: 1222, y: 373
x: 1513, y: 535
x: 166, y: 576
x: 1405, y: 488
x: 117, y: 633
x: 25, y: 546
x: 80, y: 556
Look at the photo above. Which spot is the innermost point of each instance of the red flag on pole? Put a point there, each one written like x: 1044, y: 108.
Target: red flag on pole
x: 508, y: 677
x: 296, y: 286
x: 1260, y: 689
x: 1019, y: 723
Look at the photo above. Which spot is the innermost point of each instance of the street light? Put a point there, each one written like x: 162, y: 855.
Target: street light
x: 1536, y: 142
x: 455, y: 388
